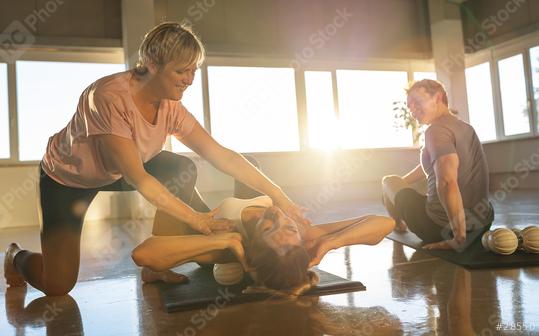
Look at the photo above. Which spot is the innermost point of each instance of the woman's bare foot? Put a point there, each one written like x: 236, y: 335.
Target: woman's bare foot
x: 13, y: 278
x: 167, y: 276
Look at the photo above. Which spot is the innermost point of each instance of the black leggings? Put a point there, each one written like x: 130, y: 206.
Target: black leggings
x: 63, y: 208
x: 54, y: 271
x: 410, y: 207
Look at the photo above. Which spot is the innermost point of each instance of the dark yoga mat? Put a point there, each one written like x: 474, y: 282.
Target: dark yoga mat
x: 202, y: 289
x: 474, y: 257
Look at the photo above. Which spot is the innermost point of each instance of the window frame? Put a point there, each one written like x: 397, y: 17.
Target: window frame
x: 114, y: 55
x: 480, y: 58
x: 520, y: 45
x: 12, y: 116
x: 256, y: 62
x: 333, y: 74
x: 497, y: 59
x: 410, y: 66
x: 383, y: 67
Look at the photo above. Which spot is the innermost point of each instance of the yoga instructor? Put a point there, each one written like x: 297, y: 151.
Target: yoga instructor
x: 114, y: 143
x: 456, y: 210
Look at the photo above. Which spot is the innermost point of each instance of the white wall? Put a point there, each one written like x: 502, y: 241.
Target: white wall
x: 507, y: 156
x: 513, y: 164
x: 321, y: 176
x: 343, y: 175
x: 358, y: 28
x: 19, y: 199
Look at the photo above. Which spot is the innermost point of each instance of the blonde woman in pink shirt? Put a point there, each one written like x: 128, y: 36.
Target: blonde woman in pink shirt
x: 114, y: 143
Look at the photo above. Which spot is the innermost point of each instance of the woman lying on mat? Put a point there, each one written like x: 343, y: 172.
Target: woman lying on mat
x: 264, y: 240
x: 114, y: 142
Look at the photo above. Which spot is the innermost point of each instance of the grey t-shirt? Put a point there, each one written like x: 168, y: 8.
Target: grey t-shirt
x: 447, y: 135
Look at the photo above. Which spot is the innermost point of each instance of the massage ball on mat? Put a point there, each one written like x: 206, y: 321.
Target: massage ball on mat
x: 530, y: 239
x: 228, y: 274
x: 500, y: 241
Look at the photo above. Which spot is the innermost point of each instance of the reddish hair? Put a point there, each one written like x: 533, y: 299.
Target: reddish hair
x: 431, y: 86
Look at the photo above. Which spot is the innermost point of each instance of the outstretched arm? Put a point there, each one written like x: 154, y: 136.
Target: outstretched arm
x: 235, y: 165
x: 121, y: 155
x: 369, y: 230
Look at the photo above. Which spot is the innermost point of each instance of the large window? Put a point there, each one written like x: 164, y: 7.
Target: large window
x: 480, y: 102
x: 4, y: 113
x: 193, y: 101
x: 366, y: 108
x: 323, y: 128
x: 253, y: 109
x: 513, y: 93
x: 534, y: 59
x: 48, y: 93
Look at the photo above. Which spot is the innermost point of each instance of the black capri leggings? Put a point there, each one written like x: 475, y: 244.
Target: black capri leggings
x: 410, y: 207
x: 64, y: 208
x: 55, y: 270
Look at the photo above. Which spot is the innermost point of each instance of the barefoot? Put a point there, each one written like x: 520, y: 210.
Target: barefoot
x: 13, y: 278
x: 167, y: 276
x: 400, y: 227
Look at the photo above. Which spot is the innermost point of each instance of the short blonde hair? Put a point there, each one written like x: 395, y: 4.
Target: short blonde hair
x: 431, y: 86
x: 169, y: 41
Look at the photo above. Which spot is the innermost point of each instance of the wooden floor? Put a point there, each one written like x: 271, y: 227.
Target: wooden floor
x: 408, y: 292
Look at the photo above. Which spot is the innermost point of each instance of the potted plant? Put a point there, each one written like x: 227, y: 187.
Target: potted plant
x: 404, y: 119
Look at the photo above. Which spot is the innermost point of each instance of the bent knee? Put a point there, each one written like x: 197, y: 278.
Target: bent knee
x: 391, y: 179
x: 172, y: 164
x: 140, y: 257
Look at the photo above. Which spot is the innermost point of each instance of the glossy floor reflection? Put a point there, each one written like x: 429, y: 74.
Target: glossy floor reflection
x: 408, y: 292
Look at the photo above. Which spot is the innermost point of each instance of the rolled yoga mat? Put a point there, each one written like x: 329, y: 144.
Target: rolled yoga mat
x: 202, y: 290
x: 474, y: 257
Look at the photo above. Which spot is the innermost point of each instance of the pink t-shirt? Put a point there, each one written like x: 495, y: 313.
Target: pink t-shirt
x: 106, y: 107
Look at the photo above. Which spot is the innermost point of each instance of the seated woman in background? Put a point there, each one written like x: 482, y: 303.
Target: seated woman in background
x: 276, y: 249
